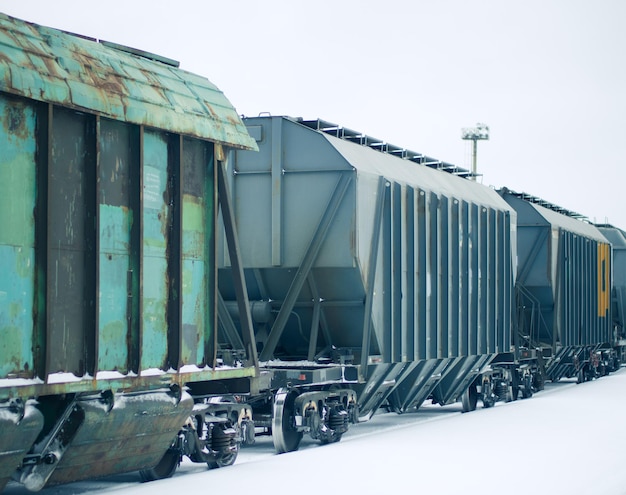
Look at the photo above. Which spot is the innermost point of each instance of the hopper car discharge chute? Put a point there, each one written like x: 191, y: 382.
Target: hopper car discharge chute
x: 109, y: 175
x: 378, y: 278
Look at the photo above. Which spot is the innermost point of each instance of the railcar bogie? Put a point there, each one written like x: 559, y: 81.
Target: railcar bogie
x: 323, y: 414
x: 502, y: 382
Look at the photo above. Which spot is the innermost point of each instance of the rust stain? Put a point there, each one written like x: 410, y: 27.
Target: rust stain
x: 55, y: 59
x: 4, y: 58
x: 101, y: 76
x: 14, y: 121
x: 155, y: 83
x: 52, y: 66
x: 233, y: 120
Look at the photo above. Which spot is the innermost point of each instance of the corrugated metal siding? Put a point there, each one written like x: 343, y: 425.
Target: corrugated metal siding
x: 564, y: 270
x: 48, y: 65
x: 399, y: 237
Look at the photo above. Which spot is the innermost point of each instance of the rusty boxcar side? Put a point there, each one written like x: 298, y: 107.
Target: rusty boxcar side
x: 108, y: 206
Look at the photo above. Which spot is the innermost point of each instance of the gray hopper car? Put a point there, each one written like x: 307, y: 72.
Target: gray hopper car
x: 563, y: 288
x: 617, y: 238
x: 372, y: 271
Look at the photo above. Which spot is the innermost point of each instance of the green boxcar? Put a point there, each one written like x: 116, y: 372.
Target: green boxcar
x: 108, y: 205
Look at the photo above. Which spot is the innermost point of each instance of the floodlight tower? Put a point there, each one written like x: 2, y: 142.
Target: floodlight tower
x: 475, y: 134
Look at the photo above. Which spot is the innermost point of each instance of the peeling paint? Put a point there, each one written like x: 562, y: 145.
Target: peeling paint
x: 17, y: 237
x: 81, y: 73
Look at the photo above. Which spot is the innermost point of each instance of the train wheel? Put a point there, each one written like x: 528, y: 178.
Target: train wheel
x: 538, y: 381
x: 225, y: 460
x: 581, y: 375
x: 487, y: 395
x: 247, y: 432
x: 334, y: 439
x: 469, y: 398
x: 512, y: 393
x: 528, y: 389
x: 513, y: 389
x: 284, y: 433
x: 223, y: 441
x: 164, y: 469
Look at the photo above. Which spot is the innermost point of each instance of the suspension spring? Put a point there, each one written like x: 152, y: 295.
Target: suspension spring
x: 502, y: 388
x: 338, y: 420
x: 219, y: 440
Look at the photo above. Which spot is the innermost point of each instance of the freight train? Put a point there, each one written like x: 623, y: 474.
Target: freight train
x: 412, y: 279
x: 175, y: 280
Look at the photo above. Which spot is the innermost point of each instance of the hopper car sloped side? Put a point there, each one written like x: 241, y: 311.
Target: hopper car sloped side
x: 370, y: 273
x: 563, y: 289
x: 108, y: 207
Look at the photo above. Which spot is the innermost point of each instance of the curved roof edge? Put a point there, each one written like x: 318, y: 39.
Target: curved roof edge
x: 120, y: 83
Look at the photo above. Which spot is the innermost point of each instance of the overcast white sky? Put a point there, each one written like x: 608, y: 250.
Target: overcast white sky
x: 547, y: 76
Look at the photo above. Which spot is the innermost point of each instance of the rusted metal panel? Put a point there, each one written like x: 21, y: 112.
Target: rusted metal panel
x: 70, y: 280
x: 198, y: 239
x: 115, y: 218
x: 156, y: 230
x: 109, y: 443
x: 108, y: 434
x: 74, y: 253
x: 117, y: 82
x: 107, y: 235
x: 20, y: 425
x: 17, y: 236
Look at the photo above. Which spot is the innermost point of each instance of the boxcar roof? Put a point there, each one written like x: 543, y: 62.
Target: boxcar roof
x: 117, y: 82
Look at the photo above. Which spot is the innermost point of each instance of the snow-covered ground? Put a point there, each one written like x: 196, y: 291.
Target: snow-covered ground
x: 569, y: 439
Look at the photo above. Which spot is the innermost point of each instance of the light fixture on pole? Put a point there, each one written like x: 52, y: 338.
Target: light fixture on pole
x: 475, y: 134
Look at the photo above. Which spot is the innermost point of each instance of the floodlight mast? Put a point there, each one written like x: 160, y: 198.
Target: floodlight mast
x: 475, y: 134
